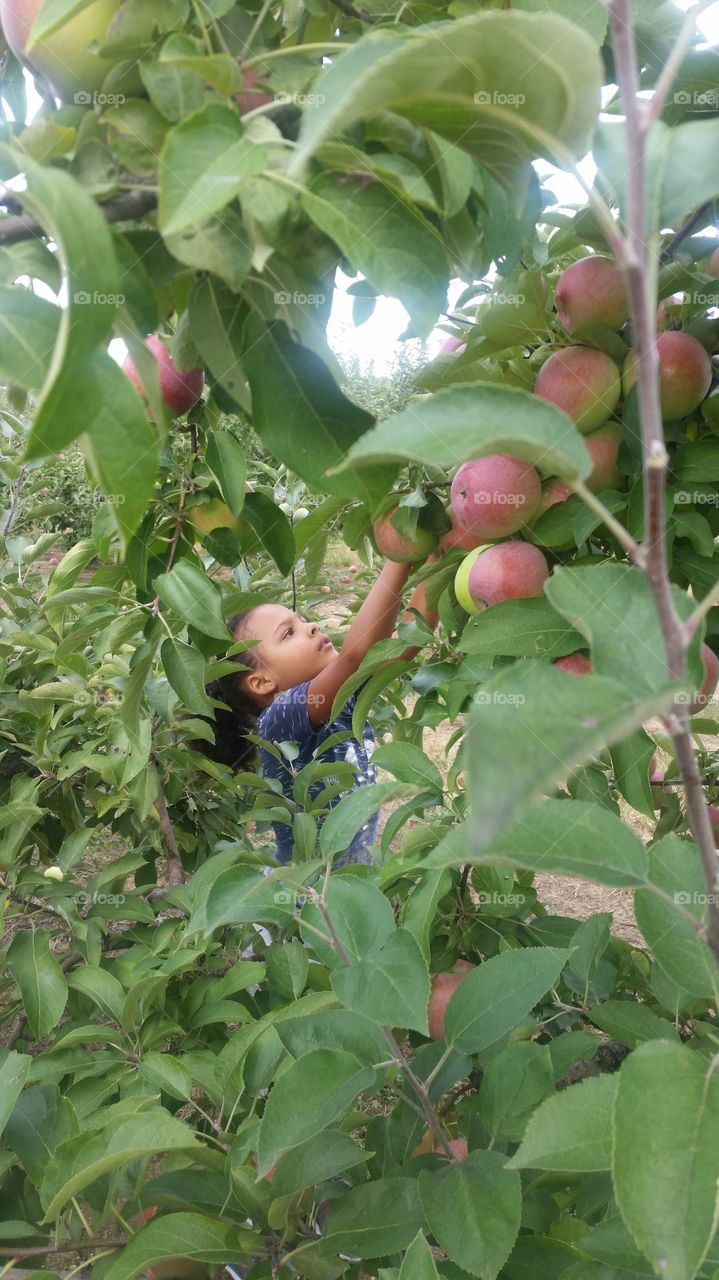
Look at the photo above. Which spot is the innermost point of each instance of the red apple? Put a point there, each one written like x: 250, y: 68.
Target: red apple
x: 603, y: 447
x: 178, y: 390
x: 713, y: 812
x: 583, y: 382
x: 459, y: 537
x: 591, y: 291
x: 553, y: 491
x: 685, y: 374
x: 452, y: 344
x: 507, y: 571
x: 444, y: 986
x: 712, y: 267
x: 575, y: 664
x: 403, y: 550
x: 495, y: 495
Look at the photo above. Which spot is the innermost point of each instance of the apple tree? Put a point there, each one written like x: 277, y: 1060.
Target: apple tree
x: 415, y: 1070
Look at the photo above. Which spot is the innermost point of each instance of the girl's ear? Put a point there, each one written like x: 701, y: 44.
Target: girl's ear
x: 259, y: 683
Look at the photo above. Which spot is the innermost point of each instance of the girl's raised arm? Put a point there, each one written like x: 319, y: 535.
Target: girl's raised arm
x: 375, y: 620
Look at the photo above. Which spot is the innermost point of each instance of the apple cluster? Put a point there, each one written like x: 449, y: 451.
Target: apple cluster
x: 497, y: 500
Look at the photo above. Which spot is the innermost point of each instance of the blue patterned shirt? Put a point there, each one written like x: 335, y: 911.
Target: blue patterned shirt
x: 287, y: 720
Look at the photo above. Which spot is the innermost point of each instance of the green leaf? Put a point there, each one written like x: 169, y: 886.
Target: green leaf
x: 561, y: 837
x: 473, y: 1210
x: 492, y: 83
x: 302, y: 416
x: 188, y: 591
x: 327, y: 1082
x: 466, y: 422
x: 631, y: 1022
x: 99, y: 986
x: 687, y: 179
x: 494, y: 998
x: 28, y: 329
x: 242, y: 895
x: 287, y: 966
x: 420, y: 913
x: 374, y: 1219
x: 185, y: 669
x: 203, y: 163
x: 227, y: 462
x: 70, y: 216
x: 572, y: 1130
x: 418, y: 1263
x: 82, y: 1159
x: 219, y: 244
x: 162, y: 1071
x: 272, y: 528
x: 319, y: 1158
x: 186, y: 1235
x: 675, y: 870
x: 664, y: 1166
x: 333, y: 1029
x: 389, y: 985
x: 630, y: 762
x: 14, y: 1069
x: 119, y: 440
x: 513, y: 1085
x: 541, y: 723
x: 592, y: 17
x: 347, y: 817
x: 387, y: 240
x: 218, y: 69
x: 408, y: 764
x: 612, y: 605
x: 42, y: 983
x: 362, y: 919
x: 528, y: 628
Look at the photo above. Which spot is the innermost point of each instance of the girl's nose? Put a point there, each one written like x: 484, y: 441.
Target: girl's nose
x: 314, y: 628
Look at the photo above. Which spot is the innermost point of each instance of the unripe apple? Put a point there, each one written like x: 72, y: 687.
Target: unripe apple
x: 603, y: 447
x: 583, y: 382
x: 215, y: 514
x: 591, y: 291
x: 495, y: 495
x: 507, y: 571
x: 403, y: 550
x: 248, y: 97
x: 452, y: 344
x: 178, y: 390
x: 703, y: 698
x: 63, y: 58
x: 443, y: 987
x: 685, y: 374
x: 575, y: 664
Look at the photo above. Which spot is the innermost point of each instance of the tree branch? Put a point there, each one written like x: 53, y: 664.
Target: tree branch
x: 641, y: 278
x: 175, y: 869
x: 362, y: 15
x: 133, y: 204
x: 695, y: 220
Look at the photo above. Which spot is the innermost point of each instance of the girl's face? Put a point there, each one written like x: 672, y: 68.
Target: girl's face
x: 291, y: 649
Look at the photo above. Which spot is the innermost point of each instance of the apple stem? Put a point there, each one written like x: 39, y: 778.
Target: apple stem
x: 419, y: 1086
x: 637, y: 256
x: 624, y: 538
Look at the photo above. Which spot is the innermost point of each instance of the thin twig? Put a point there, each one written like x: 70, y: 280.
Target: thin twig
x: 696, y: 220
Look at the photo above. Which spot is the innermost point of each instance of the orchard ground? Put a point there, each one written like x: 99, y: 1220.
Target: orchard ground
x: 564, y: 895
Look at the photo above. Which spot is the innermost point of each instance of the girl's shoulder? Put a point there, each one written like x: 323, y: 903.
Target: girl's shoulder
x: 287, y: 712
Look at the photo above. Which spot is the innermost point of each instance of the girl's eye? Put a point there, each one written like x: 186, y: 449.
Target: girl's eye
x: 288, y: 632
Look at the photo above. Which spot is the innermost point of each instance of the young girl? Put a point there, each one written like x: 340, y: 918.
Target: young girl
x: 287, y: 694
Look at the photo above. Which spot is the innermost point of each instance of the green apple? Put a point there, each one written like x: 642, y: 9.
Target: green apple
x: 64, y: 57
x: 461, y: 580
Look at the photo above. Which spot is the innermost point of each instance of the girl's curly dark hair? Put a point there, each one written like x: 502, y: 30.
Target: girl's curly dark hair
x: 239, y: 717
